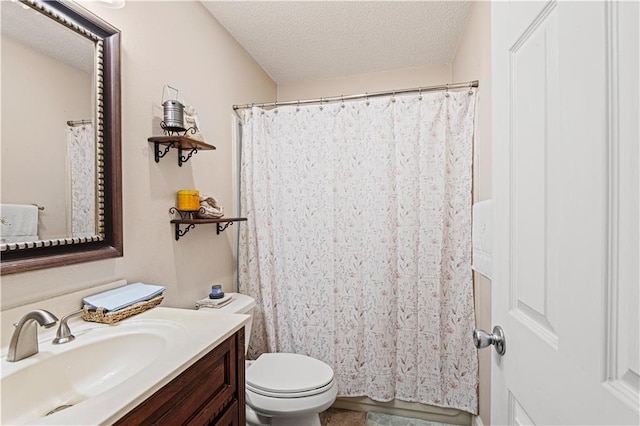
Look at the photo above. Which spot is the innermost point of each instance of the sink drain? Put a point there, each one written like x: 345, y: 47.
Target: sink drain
x: 60, y: 408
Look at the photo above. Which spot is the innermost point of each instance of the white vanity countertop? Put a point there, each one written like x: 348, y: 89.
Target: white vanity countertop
x: 180, y: 337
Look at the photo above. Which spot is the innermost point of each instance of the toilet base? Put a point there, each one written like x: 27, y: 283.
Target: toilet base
x: 308, y: 420
x: 254, y: 419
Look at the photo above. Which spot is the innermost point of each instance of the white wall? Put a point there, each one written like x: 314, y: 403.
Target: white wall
x: 427, y: 75
x: 181, y: 44
x: 473, y: 62
x: 366, y: 83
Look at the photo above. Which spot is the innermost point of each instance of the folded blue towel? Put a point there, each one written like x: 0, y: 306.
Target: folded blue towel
x: 123, y: 297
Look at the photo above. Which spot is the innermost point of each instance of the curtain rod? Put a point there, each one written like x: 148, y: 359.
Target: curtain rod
x: 468, y: 84
x: 78, y: 122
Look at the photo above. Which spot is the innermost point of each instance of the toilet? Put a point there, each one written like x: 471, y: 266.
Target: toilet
x: 282, y: 389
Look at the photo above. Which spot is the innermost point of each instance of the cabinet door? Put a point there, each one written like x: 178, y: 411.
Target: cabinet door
x: 206, y: 393
x: 230, y: 417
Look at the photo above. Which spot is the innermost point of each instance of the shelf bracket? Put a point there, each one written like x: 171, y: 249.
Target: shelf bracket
x: 182, y: 159
x: 186, y: 214
x: 220, y: 227
x: 157, y: 154
x: 180, y: 233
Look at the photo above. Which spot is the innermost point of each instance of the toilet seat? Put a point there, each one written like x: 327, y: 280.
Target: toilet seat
x: 285, y: 375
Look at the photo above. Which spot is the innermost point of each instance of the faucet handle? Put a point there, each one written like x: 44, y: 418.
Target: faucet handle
x: 63, y: 334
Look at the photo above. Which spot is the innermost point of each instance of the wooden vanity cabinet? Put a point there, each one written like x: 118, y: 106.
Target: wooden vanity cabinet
x: 210, y: 392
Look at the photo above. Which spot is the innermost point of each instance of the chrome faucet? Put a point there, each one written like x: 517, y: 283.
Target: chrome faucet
x: 24, y: 341
x: 63, y: 334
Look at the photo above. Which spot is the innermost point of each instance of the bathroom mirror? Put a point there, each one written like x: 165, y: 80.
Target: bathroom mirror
x: 61, y: 132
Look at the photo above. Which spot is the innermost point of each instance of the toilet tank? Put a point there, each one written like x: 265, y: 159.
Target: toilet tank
x: 241, y: 304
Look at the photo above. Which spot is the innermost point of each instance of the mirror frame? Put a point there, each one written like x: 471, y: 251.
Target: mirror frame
x: 53, y: 253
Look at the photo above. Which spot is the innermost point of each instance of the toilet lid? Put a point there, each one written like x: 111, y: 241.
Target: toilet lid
x: 288, y: 375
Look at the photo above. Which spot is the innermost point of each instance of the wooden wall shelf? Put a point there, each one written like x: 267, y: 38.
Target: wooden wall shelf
x: 180, y: 143
x: 221, y: 224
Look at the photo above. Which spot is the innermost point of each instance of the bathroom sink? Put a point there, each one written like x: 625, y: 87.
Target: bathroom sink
x: 106, y: 371
x: 64, y: 375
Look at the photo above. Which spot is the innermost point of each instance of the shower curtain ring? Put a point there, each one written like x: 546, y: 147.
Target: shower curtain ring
x: 446, y: 92
x: 298, y: 105
x: 419, y: 93
x: 471, y: 88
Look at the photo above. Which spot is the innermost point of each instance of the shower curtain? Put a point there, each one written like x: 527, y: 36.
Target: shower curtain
x: 358, y: 242
x: 81, y: 156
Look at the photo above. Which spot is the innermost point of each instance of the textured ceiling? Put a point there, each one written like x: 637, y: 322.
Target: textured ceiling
x: 300, y: 40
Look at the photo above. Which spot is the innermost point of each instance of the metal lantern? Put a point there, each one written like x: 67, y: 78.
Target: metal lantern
x: 173, y: 111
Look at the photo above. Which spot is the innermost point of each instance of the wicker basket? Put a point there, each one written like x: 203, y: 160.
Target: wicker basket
x: 100, y: 315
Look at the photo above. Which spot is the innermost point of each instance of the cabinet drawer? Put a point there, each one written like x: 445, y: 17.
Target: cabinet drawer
x: 227, y: 417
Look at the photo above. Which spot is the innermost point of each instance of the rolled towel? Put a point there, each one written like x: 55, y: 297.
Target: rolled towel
x: 210, y: 208
x: 214, y: 303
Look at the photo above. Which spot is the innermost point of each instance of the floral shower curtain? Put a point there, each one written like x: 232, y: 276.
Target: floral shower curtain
x: 358, y: 244
x: 81, y: 154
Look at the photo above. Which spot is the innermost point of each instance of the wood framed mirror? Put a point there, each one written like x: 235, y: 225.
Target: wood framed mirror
x: 62, y: 38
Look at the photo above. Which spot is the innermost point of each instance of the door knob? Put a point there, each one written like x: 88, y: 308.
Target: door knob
x: 482, y: 339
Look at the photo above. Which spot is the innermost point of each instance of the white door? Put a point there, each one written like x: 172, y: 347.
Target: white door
x: 565, y: 161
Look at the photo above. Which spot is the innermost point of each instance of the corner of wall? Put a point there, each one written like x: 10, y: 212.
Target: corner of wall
x: 472, y: 61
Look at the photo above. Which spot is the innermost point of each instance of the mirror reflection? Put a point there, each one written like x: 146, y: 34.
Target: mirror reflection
x: 48, y: 156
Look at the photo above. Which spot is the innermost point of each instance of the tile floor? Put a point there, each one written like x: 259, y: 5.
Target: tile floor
x: 380, y: 419
x: 338, y: 417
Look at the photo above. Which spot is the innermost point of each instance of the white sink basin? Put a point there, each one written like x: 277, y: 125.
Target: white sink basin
x: 65, y: 375
x: 107, y: 370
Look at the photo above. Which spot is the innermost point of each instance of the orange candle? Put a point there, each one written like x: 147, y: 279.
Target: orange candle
x: 188, y: 200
